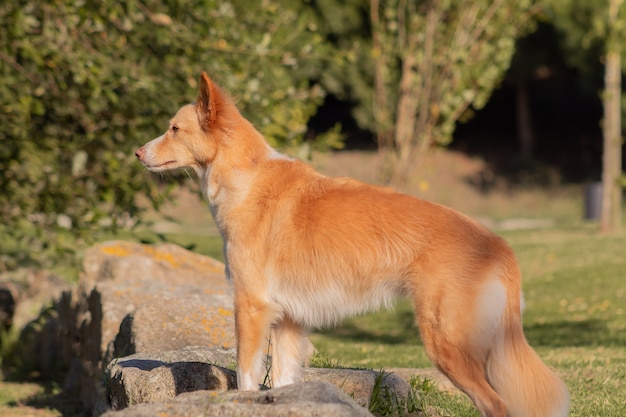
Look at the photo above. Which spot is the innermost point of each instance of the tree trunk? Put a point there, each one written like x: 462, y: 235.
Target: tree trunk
x: 413, y: 109
x: 610, y: 220
x: 524, y: 123
x: 405, y: 121
x: 379, y: 98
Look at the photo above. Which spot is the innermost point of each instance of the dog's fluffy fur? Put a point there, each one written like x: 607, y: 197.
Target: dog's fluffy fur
x: 304, y: 250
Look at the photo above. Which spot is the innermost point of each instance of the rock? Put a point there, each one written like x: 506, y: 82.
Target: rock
x: 158, y: 298
x: 359, y: 384
x: 186, y: 321
x: 306, y: 399
x: 182, y: 288
x: 440, y: 380
x: 114, y: 259
x: 148, y: 377
x: 156, y: 377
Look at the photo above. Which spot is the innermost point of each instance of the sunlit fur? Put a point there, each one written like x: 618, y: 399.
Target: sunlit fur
x: 304, y: 250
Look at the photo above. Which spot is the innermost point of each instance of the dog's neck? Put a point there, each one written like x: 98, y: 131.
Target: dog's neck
x: 226, y: 180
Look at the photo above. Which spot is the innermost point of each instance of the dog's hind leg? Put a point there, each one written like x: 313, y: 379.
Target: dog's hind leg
x: 253, y: 318
x: 458, y: 331
x: 288, y: 348
x: 468, y: 374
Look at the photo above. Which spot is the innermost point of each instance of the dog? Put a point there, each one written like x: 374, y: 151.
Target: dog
x: 305, y: 251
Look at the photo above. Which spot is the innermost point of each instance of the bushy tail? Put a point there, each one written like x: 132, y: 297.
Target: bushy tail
x: 528, y: 387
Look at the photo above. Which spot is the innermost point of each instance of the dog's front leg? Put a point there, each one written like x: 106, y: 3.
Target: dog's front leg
x: 289, y: 346
x: 253, y: 318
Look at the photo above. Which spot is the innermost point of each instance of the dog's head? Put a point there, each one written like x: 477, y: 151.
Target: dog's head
x: 194, y: 134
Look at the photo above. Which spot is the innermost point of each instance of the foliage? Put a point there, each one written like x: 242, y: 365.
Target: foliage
x: 413, y: 69
x: 86, y: 82
x: 436, y: 61
x: 584, y: 26
x: 573, y: 20
x: 349, y: 74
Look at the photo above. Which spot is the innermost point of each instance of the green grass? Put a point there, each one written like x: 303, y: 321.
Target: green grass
x: 28, y: 399
x: 441, y: 403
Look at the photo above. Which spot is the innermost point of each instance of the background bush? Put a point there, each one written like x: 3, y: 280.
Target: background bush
x: 86, y: 82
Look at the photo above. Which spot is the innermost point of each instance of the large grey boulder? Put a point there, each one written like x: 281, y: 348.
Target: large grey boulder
x: 174, y: 322
x: 151, y: 377
x: 307, y: 399
x: 159, y: 376
x: 166, y: 296
x: 132, y: 298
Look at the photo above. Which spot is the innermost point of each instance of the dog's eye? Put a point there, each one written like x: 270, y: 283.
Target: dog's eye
x: 174, y: 128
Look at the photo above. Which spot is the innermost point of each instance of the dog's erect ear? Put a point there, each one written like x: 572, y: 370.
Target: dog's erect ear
x: 206, y: 98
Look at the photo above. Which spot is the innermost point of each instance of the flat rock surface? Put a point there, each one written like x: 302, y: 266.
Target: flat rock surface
x: 157, y: 377
x: 307, y: 399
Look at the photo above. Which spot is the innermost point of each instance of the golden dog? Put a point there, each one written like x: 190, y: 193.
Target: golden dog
x: 304, y: 251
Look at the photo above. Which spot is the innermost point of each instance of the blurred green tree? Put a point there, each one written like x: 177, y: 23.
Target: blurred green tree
x: 349, y: 73
x: 413, y: 69
x: 85, y: 82
x: 437, y: 62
